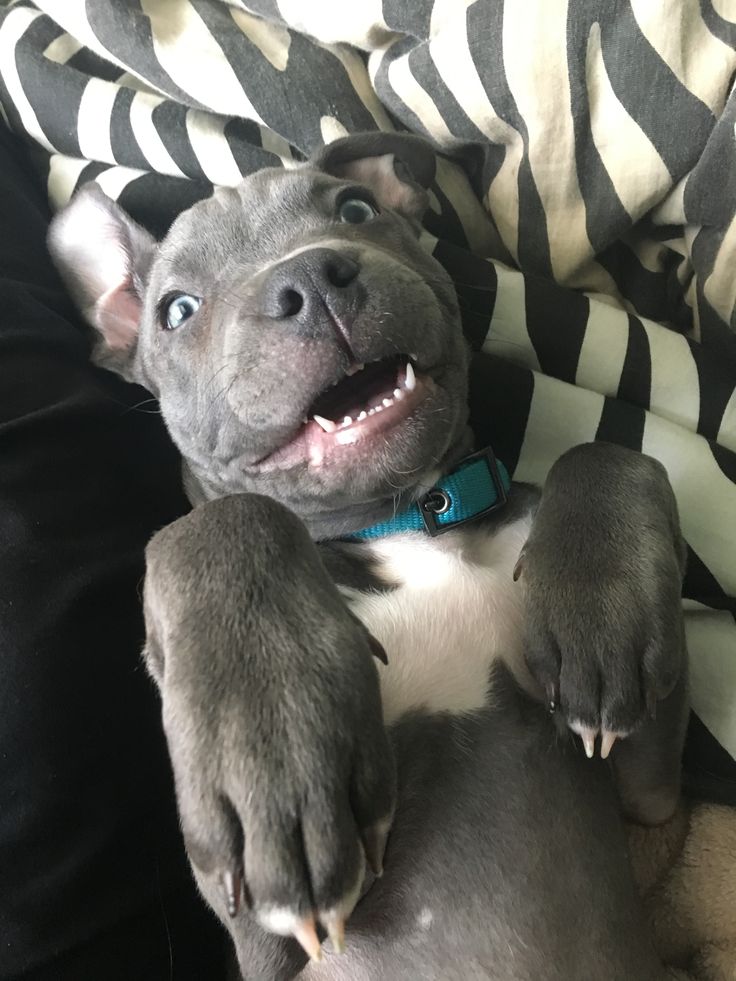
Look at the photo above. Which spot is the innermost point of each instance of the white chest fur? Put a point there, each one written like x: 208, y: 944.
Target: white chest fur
x: 455, y: 609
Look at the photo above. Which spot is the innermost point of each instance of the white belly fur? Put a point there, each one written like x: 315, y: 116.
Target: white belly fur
x: 454, y: 611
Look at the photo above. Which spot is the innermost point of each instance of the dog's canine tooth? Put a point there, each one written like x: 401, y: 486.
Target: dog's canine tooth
x: 327, y: 424
x: 410, y: 382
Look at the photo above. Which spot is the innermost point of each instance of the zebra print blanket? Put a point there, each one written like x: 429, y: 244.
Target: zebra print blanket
x: 586, y: 206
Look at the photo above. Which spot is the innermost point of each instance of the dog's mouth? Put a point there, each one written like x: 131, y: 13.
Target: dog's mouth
x: 370, y: 399
x: 364, y: 392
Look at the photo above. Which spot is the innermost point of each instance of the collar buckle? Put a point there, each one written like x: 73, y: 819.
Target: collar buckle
x: 437, y: 502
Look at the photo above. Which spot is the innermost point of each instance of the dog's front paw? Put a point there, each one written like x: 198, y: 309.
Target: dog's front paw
x: 271, y: 705
x: 282, y: 801
x: 602, y: 572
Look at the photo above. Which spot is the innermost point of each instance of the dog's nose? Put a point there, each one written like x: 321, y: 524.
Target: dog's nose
x: 303, y: 286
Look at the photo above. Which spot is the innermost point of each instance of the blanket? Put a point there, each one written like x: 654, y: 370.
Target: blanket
x: 590, y: 228
x: 584, y: 203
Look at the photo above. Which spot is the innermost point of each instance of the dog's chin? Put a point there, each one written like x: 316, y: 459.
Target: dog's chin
x: 344, y: 478
x: 355, y: 470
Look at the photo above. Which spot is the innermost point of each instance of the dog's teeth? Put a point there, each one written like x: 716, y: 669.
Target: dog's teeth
x: 371, y: 412
x: 388, y: 402
x: 355, y: 369
x: 363, y: 415
x: 379, y: 408
x: 327, y: 424
x: 410, y: 383
x: 398, y: 394
x: 347, y: 421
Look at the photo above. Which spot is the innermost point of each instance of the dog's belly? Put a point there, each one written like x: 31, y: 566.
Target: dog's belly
x: 507, y: 859
x: 454, y: 610
x: 506, y: 862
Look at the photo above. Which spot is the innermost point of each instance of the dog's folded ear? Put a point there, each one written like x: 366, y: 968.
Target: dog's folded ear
x: 103, y: 257
x: 397, y: 167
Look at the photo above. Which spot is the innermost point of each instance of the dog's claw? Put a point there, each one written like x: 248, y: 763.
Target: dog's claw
x: 588, y: 736
x: 607, y: 741
x: 551, y: 692
x: 335, y: 926
x: 377, y: 649
x: 652, y: 705
x: 305, y: 935
x: 518, y: 568
x: 232, y: 884
x: 374, y: 845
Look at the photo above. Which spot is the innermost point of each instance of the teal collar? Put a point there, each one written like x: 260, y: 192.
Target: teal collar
x: 478, y: 485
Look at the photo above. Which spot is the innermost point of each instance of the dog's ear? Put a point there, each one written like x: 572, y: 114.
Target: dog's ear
x: 103, y: 257
x: 397, y: 167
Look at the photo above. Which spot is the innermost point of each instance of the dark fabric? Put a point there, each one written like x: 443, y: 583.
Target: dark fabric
x: 93, y: 881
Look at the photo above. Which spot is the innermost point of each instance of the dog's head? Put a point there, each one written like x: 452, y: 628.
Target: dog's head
x: 301, y: 343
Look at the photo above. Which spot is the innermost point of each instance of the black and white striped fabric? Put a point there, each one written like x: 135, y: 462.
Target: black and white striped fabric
x: 591, y: 231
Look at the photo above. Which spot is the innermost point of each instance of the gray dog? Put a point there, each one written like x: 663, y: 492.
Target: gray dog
x: 310, y: 366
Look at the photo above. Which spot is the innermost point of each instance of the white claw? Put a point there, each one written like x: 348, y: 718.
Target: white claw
x: 411, y: 380
x: 327, y: 424
x: 607, y: 741
x: 588, y: 737
x: 335, y: 927
x: 306, y: 936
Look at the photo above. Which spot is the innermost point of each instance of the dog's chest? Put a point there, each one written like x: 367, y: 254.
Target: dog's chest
x: 453, y: 610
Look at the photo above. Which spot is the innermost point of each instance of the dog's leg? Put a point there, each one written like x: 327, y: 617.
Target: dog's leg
x: 272, y: 710
x: 603, y: 571
x: 647, y: 764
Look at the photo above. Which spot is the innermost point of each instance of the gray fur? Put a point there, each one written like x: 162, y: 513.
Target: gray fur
x: 270, y: 690
x: 222, y: 380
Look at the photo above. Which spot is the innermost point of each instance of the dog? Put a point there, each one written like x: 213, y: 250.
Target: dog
x: 407, y: 702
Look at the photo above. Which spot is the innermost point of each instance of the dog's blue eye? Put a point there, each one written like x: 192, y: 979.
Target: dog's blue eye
x: 356, y: 211
x: 179, y: 309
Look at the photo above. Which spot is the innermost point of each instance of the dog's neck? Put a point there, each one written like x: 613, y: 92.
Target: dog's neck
x: 342, y: 522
